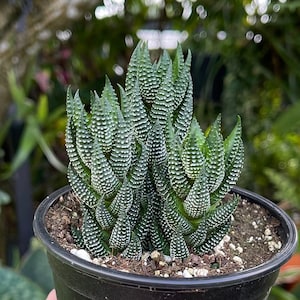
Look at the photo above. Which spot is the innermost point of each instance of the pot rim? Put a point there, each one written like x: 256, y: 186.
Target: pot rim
x: 94, y: 270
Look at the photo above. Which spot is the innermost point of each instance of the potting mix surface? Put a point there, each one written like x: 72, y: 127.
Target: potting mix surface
x: 252, y: 240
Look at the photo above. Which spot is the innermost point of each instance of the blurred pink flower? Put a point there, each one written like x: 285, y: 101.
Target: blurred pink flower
x: 42, y: 78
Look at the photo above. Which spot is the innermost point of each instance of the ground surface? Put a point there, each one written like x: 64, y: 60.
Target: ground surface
x: 252, y: 239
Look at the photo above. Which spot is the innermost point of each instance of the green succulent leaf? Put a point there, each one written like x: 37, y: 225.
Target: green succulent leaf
x: 178, y: 64
x: 198, y: 236
x: 109, y: 94
x: 162, y: 106
x: 77, y: 237
x: 221, y: 214
x: 121, y: 233
x: 103, y: 215
x: 197, y: 202
x: 132, y: 71
x: 84, y: 139
x: 188, y: 60
x: 74, y: 157
x: 178, y: 178
x: 74, y: 106
x: 134, y: 250
x: 140, y: 120
x: 192, y: 157
x: 213, y: 239
x: 232, y: 143
x: 184, y: 113
x: 215, y: 164
x: 182, y: 82
x: 103, y: 122
x: 174, y: 218
x: 138, y: 171
x: 143, y: 224
x: 163, y: 65
x: 86, y: 194
x: 120, y: 158
x: 103, y: 178
x: 234, y: 158
x: 123, y: 200
x: 178, y: 247
x: 147, y: 76
x: 153, y: 197
x: 157, y: 238
x: 156, y: 144
x: 134, y: 211
x: 171, y: 208
x: 69, y: 103
x: 92, y: 235
x: 161, y: 181
x: 125, y: 105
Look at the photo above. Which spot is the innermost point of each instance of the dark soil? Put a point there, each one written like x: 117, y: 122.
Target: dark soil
x: 252, y: 240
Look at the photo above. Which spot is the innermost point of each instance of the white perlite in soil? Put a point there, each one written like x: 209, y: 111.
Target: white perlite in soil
x: 252, y: 240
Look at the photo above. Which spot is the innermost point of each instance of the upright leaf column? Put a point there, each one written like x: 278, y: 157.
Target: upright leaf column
x: 147, y: 176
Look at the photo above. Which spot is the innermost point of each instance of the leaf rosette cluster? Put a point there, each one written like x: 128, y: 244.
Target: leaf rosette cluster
x: 147, y: 176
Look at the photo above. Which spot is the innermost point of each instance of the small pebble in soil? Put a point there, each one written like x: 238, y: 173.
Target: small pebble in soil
x: 254, y: 225
x: 81, y: 253
x: 200, y: 272
x: 268, y: 232
x: 238, y: 260
x: 219, y: 253
x: 155, y: 255
x: 232, y: 247
x: 239, y: 249
x: 145, y: 255
x: 226, y: 238
x: 186, y: 274
x: 274, y: 246
x: 162, y: 263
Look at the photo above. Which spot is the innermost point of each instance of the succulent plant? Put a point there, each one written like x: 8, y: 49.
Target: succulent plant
x: 147, y: 176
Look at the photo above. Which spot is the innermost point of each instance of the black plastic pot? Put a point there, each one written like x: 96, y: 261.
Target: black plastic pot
x: 78, y: 279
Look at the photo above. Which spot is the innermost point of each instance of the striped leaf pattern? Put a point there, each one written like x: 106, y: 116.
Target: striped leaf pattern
x: 103, y: 215
x: 215, y: 165
x: 74, y: 157
x: 221, y: 214
x: 92, y: 235
x: 103, y: 178
x: 103, y: 123
x: 213, y: 239
x: 197, y: 201
x: 139, y: 118
x: 84, y: 191
x: 148, y: 81
x: 178, y: 246
x: 134, y: 250
x: 193, y: 158
x: 120, y: 157
x: 84, y: 139
x: 162, y: 106
x: 121, y: 233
